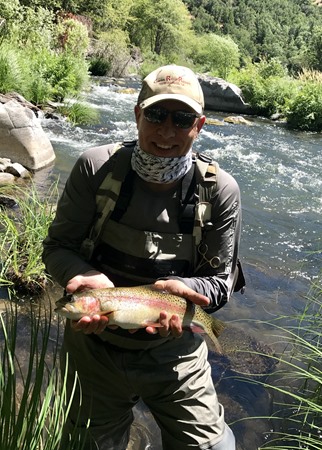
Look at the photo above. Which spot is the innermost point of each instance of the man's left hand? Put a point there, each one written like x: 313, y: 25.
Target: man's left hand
x: 172, y: 324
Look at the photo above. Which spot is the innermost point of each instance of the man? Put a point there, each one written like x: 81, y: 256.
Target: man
x: 149, y: 236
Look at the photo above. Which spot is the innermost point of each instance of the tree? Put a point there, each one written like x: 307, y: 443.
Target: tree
x: 216, y: 54
x: 163, y: 26
x: 314, y: 51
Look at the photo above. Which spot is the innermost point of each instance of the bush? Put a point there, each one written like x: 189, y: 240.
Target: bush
x: 265, y: 86
x: 79, y: 113
x: 215, y: 54
x: 21, y: 236
x: 112, y: 52
x: 13, y: 76
x: 304, y: 110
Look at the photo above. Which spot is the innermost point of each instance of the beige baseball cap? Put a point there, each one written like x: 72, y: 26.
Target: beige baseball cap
x: 172, y: 82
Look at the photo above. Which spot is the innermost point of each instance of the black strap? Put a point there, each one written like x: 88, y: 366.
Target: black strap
x: 124, y: 197
x: 187, y: 213
x: 188, y: 201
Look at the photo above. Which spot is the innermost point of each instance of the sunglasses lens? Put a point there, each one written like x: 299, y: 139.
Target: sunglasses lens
x: 155, y: 115
x: 183, y: 119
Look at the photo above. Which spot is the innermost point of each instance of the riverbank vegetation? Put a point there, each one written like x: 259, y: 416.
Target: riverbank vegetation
x: 33, y: 400
x: 297, y: 384
x: 271, y: 49
x: 22, y: 230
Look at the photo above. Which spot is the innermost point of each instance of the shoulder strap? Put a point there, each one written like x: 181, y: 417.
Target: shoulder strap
x: 114, y: 194
x: 207, y: 177
x: 107, y: 195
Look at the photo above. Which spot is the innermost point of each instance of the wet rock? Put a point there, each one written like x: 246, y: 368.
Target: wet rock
x: 220, y: 95
x: 10, y: 172
x: 22, y: 137
x: 6, y: 178
x: 210, y: 121
x: 238, y: 120
x: 18, y: 170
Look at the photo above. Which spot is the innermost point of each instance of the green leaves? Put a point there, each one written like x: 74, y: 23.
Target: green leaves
x: 21, y: 236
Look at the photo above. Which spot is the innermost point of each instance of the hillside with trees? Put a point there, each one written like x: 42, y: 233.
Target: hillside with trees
x: 289, y: 30
x: 272, y: 49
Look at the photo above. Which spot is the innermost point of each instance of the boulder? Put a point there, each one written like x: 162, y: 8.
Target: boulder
x: 220, y: 95
x: 6, y: 178
x: 10, y: 172
x: 238, y: 120
x: 22, y: 138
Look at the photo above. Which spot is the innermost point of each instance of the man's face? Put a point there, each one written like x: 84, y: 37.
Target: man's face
x: 166, y: 138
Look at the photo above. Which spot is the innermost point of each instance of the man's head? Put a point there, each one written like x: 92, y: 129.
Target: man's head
x: 172, y: 83
x: 169, y: 111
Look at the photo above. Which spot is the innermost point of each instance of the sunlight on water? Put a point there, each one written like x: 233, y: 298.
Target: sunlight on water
x: 279, y: 173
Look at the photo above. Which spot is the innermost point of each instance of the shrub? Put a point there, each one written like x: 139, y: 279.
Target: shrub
x: 79, y: 113
x: 304, y: 110
x: 298, y: 380
x: 112, y: 51
x: 215, y: 54
x: 265, y: 87
x: 21, y: 236
x: 13, y: 77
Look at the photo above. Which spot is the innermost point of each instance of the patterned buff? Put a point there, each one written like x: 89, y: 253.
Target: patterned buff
x: 159, y: 169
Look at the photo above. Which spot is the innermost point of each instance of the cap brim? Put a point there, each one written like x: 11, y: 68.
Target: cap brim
x: 181, y: 98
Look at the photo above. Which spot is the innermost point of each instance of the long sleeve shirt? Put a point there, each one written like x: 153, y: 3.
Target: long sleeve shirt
x: 148, y: 210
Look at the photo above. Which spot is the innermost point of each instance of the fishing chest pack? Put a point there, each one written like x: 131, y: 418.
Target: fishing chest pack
x: 114, y: 195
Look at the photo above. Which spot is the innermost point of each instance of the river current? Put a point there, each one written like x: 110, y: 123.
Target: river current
x: 279, y: 174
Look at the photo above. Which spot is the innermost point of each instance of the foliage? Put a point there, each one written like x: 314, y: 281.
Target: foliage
x: 163, y: 27
x: 73, y: 37
x: 314, y: 50
x: 21, y: 234
x: 304, y: 111
x: 33, y: 400
x: 265, y: 86
x: 110, y: 53
x: 280, y: 29
x: 116, y: 15
x: 216, y: 54
x: 79, y: 113
x: 13, y: 76
x: 299, y: 381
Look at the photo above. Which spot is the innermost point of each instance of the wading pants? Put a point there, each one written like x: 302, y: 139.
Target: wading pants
x: 173, y: 379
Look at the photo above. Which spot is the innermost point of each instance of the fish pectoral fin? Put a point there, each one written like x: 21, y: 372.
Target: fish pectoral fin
x: 196, y: 329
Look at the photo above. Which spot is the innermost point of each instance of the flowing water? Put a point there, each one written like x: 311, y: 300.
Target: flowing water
x: 279, y: 173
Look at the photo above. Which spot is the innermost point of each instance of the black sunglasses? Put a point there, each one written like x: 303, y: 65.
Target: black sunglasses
x: 180, y: 119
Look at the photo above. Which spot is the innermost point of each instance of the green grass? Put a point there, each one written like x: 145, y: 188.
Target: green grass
x: 296, y: 384
x: 22, y: 231
x: 33, y: 401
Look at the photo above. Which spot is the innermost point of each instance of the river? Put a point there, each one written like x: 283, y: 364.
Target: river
x: 279, y: 173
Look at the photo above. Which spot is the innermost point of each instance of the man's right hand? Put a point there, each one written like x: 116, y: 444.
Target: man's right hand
x: 89, y: 280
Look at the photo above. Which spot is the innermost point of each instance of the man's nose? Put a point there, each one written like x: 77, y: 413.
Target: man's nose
x: 167, y: 129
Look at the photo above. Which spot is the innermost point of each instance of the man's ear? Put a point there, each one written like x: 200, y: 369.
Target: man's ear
x: 137, y: 111
x: 201, y: 123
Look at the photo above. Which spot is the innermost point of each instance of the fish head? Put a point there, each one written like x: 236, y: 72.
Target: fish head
x: 75, y: 307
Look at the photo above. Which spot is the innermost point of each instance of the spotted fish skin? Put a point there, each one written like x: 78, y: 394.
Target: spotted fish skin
x: 137, y: 307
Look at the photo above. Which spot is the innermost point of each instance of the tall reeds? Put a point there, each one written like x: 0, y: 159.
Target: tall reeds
x: 22, y: 230
x: 33, y: 401
x: 297, y: 384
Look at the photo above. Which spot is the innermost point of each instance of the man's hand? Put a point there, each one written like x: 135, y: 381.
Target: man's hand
x: 89, y: 280
x: 172, y: 324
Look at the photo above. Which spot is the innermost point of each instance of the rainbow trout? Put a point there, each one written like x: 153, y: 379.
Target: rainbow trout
x: 138, y: 307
